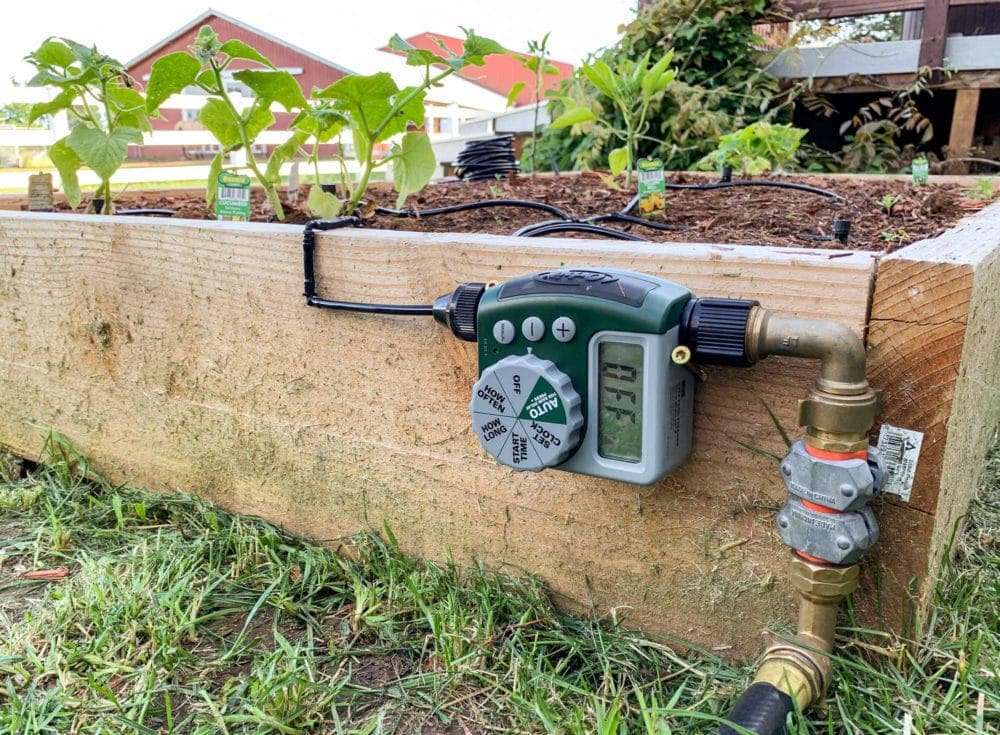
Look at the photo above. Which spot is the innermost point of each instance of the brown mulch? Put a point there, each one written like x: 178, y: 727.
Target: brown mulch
x: 743, y: 215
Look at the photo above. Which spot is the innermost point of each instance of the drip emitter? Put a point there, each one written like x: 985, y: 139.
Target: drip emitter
x: 589, y: 370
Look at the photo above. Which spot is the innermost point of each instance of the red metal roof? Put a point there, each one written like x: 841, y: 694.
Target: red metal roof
x: 499, y: 74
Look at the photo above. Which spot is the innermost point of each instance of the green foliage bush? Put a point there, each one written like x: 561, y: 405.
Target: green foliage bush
x: 718, y: 88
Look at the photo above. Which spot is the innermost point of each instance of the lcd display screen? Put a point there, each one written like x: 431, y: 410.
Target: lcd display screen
x: 619, y: 400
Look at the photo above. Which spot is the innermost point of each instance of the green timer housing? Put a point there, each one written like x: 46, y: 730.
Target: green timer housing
x: 575, y: 373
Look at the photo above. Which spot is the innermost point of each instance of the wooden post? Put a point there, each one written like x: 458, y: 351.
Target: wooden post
x: 934, y: 344
x: 934, y: 34
x: 963, y: 125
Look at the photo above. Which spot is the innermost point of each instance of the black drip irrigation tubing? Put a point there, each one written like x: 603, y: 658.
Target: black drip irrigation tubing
x: 758, y: 182
x: 569, y: 223
x: 554, y: 226
x: 565, y: 223
x: 526, y: 204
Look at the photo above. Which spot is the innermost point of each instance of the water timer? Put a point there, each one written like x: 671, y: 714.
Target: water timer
x: 575, y: 373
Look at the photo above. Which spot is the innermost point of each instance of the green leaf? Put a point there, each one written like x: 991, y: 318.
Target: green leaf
x: 61, y: 101
x: 477, y: 47
x: 168, y: 76
x: 255, y: 120
x: 414, y: 56
x: 274, y: 86
x: 130, y: 106
x: 321, y: 122
x: 618, y: 160
x: 323, y: 204
x: 658, y: 77
x: 514, y: 92
x: 282, y: 153
x: 369, y: 100
x: 212, y: 186
x: 573, y: 116
x: 66, y: 162
x: 52, y: 52
x: 601, y: 76
x: 236, y: 49
x: 102, y: 152
x: 206, y: 45
x: 220, y: 121
x: 413, y: 164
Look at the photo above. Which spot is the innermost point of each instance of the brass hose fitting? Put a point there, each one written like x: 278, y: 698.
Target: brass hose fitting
x: 801, y: 667
x: 841, y: 406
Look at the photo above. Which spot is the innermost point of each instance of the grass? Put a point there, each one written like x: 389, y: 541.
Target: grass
x: 176, y: 617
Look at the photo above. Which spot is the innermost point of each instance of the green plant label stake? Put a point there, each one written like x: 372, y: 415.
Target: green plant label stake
x: 233, y: 200
x: 921, y: 171
x: 652, y: 189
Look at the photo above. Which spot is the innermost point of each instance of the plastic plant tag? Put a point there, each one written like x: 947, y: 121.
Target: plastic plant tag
x: 921, y: 171
x: 40, y: 193
x: 652, y: 190
x: 900, y: 449
x: 233, y: 200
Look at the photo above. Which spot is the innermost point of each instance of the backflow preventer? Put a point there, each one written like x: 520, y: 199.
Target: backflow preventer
x: 586, y: 370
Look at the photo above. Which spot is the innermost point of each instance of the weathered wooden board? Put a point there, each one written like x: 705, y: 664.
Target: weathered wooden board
x: 181, y: 355
x: 935, y: 349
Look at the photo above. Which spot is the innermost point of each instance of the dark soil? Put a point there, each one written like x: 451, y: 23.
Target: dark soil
x: 754, y: 215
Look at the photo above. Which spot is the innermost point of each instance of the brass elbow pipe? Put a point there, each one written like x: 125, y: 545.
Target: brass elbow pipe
x: 841, y: 407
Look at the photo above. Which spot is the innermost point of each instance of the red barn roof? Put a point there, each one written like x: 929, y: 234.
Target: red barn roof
x: 499, y: 74
x: 315, y: 70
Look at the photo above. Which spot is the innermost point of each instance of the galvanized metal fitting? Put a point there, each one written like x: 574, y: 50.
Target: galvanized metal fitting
x: 842, y: 485
x: 837, y: 538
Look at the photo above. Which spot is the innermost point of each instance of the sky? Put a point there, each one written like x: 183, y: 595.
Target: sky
x: 346, y: 33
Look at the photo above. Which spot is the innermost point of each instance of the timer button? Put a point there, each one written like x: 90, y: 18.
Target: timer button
x: 503, y: 331
x: 533, y: 328
x: 564, y: 329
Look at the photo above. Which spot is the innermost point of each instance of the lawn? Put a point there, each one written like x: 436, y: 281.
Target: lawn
x: 156, y: 613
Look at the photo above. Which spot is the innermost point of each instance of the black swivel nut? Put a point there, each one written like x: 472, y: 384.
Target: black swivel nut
x: 459, y: 309
x: 715, y: 330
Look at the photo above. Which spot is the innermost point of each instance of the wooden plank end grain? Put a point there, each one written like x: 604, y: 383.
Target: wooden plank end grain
x: 934, y: 339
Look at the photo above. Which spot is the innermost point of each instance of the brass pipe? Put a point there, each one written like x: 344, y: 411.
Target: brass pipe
x: 801, y: 667
x: 841, y: 407
x: 840, y: 350
x: 837, y: 414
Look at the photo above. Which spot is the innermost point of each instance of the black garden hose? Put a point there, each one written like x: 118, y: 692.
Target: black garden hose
x: 762, y: 709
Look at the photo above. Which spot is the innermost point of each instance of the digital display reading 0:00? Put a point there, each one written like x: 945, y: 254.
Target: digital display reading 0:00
x: 619, y: 401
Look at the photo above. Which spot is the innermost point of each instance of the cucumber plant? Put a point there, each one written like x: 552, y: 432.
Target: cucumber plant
x: 106, y: 112
x: 207, y: 66
x: 374, y: 109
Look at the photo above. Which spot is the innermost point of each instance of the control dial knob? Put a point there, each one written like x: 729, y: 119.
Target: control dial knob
x: 526, y: 413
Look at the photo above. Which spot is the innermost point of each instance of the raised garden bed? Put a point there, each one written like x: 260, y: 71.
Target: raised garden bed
x: 180, y: 354
x: 751, y: 215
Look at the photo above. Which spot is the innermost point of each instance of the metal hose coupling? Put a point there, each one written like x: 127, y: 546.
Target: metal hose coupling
x: 831, y: 477
x: 841, y: 407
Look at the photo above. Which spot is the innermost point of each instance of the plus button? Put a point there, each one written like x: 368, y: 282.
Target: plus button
x: 564, y: 329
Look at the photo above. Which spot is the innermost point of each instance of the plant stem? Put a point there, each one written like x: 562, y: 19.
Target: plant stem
x: 272, y: 193
x: 369, y: 165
